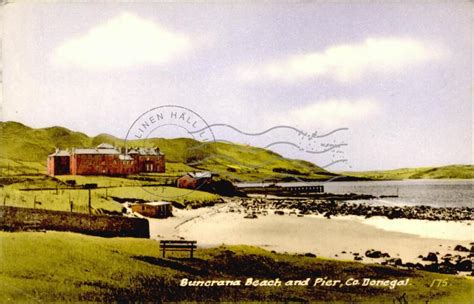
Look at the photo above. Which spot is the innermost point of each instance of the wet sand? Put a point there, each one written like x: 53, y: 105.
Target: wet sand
x: 400, y: 238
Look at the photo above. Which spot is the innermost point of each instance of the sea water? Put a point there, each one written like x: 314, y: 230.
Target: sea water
x: 436, y: 193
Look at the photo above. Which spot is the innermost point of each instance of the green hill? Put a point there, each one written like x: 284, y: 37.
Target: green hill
x: 452, y: 171
x: 24, y: 150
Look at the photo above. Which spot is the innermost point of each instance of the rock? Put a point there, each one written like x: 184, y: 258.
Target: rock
x: 373, y: 254
x: 461, y: 248
x: 358, y: 258
x: 309, y: 254
x: 432, y: 267
x: 447, y: 263
x: 447, y: 269
x: 472, y: 249
x: 431, y: 257
x: 419, y: 266
x: 420, y: 256
x: 464, y: 265
x: 396, y: 262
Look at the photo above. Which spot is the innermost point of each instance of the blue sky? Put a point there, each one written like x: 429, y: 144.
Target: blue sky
x: 397, y: 75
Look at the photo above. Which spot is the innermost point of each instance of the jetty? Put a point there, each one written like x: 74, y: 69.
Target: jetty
x: 303, y: 191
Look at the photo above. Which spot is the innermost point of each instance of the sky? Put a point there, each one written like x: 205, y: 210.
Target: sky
x: 394, y: 80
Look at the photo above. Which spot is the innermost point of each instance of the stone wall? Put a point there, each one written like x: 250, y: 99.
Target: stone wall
x: 18, y: 219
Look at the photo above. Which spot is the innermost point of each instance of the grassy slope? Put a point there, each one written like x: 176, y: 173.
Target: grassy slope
x: 24, y: 151
x: 101, y: 198
x: 56, y: 266
x: 27, y: 149
x: 453, y: 171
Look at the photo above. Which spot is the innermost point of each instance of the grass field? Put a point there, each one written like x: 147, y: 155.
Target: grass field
x: 58, y: 200
x: 102, y: 198
x: 183, y: 197
x: 44, y: 192
x: 58, y: 266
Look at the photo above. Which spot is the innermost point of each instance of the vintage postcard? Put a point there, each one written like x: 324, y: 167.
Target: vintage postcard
x: 236, y: 151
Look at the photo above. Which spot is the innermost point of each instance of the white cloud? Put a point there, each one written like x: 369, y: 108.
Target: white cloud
x: 333, y: 112
x: 124, y: 41
x: 347, y: 62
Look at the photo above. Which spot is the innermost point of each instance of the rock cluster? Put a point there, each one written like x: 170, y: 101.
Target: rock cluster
x: 447, y: 264
x: 330, y: 208
x: 376, y: 254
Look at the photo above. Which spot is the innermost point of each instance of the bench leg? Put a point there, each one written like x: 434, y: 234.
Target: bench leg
x: 192, y: 251
x: 164, y: 250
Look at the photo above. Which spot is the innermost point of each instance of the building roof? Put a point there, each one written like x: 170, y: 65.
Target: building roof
x: 153, y: 203
x: 105, y: 146
x: 95, y: 151
x: 108, y: 149
x: 149, y: 151
x: 144, y: 151
x: 61, y: 153
x: 158, y: 203
x: 199, y: 175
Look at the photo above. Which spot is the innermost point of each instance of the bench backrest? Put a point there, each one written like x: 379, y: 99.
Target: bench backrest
x: 176, y: 244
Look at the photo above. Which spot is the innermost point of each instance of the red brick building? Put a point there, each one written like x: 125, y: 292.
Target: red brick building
x: 194, y: 180
x: 105, y: 160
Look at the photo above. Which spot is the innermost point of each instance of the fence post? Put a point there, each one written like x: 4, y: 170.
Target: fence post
x: 4, y: 194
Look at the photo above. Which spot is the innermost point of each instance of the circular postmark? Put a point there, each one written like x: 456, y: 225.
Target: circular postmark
x: 143, y: 151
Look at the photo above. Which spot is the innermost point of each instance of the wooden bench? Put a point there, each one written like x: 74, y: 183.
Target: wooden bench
x: 178, y: 245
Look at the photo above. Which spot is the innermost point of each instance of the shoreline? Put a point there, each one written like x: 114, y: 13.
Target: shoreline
x: 346, y: 238
x: 329, y: 208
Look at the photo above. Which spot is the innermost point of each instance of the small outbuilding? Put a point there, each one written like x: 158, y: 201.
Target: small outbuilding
x: 194, y: 180
x: 153, y: 209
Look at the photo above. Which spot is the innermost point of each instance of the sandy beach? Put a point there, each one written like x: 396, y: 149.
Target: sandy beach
x: 339, y: 237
